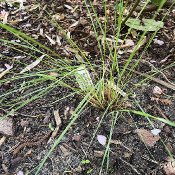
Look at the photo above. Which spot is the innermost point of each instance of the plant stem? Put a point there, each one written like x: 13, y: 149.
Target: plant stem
x: 130, y: 13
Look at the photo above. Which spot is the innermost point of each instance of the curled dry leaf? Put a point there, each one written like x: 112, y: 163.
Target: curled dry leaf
x: 147, y: 137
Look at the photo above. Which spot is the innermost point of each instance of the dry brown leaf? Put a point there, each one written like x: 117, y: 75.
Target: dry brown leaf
x: 169, y: 167
x: 147, y: 137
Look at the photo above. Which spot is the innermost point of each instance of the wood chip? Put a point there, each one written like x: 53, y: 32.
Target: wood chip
x: 64, y: 150
x: 2, y: 140
x: 98, y: 153
x: 58, y: 123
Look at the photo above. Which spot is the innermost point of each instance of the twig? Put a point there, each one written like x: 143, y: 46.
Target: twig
x: 130, y: 13
x: 153, y: 67
x: 17, y: 113
x: 129, y: 165
x: 163, y: 115
x: 157, y: 80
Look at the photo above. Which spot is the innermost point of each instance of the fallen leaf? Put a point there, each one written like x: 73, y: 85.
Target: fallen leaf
x: 74, y: 24
x: 169, y: 167
x: 53, y: 74
x: 101, y: 139
x: 129, y: 42
x: 58, y: 40
x: 68, y: 7
x: 127, y: 155
x: 1, y: 69
x: 147, y: 137
x: 98, y: 119
x: 134, y: 33
x: 144, y: 24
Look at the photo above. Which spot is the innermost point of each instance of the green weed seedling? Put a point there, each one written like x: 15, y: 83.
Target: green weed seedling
x: 50, y: 126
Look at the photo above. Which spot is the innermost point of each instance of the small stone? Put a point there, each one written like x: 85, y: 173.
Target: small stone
x: 6, y: 126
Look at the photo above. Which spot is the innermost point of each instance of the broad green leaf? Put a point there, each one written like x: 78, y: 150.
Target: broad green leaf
x: 145, y: 24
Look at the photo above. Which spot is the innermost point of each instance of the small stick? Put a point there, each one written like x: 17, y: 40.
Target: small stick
x: 157, y: 80
x: 163, y: 115
x: 130, y: 13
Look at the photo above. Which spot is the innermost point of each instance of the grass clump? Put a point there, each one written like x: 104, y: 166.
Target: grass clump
x: 108, y: 90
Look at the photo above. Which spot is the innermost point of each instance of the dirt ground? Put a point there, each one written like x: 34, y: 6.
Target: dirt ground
x: 31, y: 138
